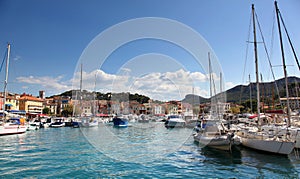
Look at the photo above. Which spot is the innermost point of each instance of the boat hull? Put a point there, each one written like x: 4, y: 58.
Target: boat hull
x: 218, y: 142
x: 120, y: 122
x: 92, y: 124
x: 11, y: 131
x: 272, y: 146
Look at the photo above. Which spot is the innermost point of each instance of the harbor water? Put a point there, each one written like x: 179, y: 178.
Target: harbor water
x: 141, y: 151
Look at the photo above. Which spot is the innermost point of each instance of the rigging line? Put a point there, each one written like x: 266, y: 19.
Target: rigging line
x: 272, y: 36
x: 246, y: 58
x: 268, y: 57
x: 290, y: 42
x: 4, y: 58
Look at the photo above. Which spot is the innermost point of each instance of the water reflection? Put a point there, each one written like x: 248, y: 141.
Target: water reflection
x: 139, y: 143
x: 215, y: 156
x: 268, y: 164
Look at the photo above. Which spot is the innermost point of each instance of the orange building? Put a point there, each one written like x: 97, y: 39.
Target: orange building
x: 31, y: 104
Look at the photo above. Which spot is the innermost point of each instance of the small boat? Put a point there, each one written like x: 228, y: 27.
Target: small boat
x: 58, y: 123
x: 174, y: 121
x: 14, y: 126
x: 34, y: 125
x: 120, y: 122
x: 75, y: 124
x: 143, y: 119
x: 88, y: 122
x: 213, y: 134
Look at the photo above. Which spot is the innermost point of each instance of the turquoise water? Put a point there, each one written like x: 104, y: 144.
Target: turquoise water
x: 141, y: 151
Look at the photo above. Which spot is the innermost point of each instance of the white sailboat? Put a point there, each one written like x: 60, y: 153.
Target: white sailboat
x: 13, y: 126
x: 86, y: 121
x: 212, y: 132
x: 258, y: 139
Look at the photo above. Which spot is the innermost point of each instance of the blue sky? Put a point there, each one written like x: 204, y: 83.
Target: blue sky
x: 49, y: 38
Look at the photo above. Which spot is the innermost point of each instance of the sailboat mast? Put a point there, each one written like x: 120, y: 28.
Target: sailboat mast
x: 210, y: 78
x: 6, y: 78
x: 80, y: 91
x: 284, y: 66
x: 256, y: 64
x: 250, y: 94
x: 95, y: 95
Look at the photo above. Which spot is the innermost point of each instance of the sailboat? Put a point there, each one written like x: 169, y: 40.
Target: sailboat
x: 212, y: 132
x: 86, y: 121
x: 255, y: 138
x: 12, y: 126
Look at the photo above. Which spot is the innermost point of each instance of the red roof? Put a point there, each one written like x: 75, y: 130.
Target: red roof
x: 30, y: 98
x: 102, y: 115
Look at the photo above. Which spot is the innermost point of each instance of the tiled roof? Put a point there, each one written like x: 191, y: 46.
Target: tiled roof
x: 30, y: 98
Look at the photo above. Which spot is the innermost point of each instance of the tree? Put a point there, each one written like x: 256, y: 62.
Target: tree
x: 68, y: 110
x: 46, y: 110
x: 235, y: 110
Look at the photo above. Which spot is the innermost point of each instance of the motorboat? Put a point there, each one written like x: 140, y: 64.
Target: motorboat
x: 13, y: 126
x: 174, y: 121
x: 88, y: 122
x: 58, y: 122
x: 143, y: 119
x: 120, y: 122
x: 213, y: 133
x: 33, y: 125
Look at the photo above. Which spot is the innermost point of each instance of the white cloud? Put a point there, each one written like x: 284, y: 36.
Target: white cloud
x: 17, y: 57
x: 46, y: 82
x: 229, y: 85
x: 170, y: 85
x: 162, y: 86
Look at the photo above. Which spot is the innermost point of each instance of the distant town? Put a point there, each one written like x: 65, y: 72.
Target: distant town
x: 60, y: 105
x: 105, y: 104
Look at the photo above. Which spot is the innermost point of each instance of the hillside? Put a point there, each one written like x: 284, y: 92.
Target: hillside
x: 236, y: 94
x: 267, y: 90
x: 195, y: 99
x: 241, y: 93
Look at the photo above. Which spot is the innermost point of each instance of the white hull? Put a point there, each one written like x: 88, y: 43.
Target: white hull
x: 282, y: 130
x: 92, y: 124
x: 222, y: 142
x: 88, y: 122
x: 263, y: 143
x: 175, y: 124
x: 12, y: 130
x: 33, y: 126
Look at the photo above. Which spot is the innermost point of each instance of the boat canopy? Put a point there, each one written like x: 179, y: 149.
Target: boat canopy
x: 17, y: 112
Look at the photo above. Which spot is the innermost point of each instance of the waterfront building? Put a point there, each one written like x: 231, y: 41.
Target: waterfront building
x: 51, y: 105
x: 32, y: 105
x: 11, y: 103
x: 158, y: 109
x: 174, y: 107
x: 187, y: 110
x: 293, y: 101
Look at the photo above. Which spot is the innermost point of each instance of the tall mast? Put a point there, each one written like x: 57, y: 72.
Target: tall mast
x: 210, y: 77
x: 284, y: 66
x: 95, y: 94
x: 6, y: 77
x: 250, y: 94
x: 256, y: 65
x: 80, y: 91
x: 210, y: 85
x: 221, y: 89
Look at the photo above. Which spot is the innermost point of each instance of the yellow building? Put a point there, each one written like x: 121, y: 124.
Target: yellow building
x: 11, y: 103
x: 31, y: 104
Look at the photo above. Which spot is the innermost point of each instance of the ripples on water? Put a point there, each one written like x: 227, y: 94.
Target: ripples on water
x: 141, y: 151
